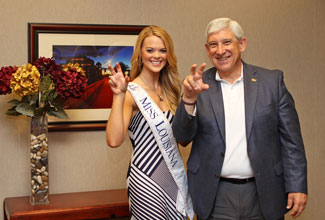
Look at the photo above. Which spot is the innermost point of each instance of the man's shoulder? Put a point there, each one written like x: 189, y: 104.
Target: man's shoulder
x: 211, y: 72
x: 258, y: 69
x: 211, y: 69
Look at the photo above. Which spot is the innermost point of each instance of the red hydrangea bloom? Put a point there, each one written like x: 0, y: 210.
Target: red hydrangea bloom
x: 46, y: 65
x: 5, y: 77
x: 70, y: 83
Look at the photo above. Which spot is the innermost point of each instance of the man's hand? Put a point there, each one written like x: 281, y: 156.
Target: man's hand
x: 296, y: 201
x: 193, y: 84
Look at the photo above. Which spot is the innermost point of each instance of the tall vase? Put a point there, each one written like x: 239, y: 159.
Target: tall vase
x: 39, y: 161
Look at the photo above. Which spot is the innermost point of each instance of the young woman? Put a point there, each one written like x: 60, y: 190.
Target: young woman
x: 157, y: 184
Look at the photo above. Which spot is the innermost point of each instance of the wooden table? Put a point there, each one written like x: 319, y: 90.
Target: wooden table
x: 107, y: 204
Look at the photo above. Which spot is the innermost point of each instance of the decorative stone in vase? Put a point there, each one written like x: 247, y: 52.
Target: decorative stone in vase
x: 39, y: 161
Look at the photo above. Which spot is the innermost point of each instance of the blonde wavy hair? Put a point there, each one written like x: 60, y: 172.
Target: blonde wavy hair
x: 169, y: 76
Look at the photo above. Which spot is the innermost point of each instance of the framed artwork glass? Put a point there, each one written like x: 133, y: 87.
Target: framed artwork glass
x: 93, y: 46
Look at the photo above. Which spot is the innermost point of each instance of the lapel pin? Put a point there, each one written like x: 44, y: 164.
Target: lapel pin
x: 253, y: 80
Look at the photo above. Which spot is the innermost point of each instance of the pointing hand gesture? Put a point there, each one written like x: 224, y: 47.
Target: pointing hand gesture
x: 118, y: 82
x: 193, y: 83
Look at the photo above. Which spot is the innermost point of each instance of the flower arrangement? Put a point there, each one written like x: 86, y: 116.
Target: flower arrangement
x: 43, y: 87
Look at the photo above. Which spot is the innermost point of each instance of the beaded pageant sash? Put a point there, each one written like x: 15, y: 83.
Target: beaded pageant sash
x: 163, y: 134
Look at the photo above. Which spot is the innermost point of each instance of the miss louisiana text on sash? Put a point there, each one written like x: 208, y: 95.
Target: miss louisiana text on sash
x: 162, y: 131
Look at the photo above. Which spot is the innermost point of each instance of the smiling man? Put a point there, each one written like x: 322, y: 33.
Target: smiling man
x: 247, y: 159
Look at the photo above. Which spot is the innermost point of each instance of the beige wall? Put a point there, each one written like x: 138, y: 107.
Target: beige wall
x: 282, y: 34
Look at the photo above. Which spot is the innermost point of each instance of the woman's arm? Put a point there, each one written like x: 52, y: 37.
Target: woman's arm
x: 122, y: 108
x: 119, y: 119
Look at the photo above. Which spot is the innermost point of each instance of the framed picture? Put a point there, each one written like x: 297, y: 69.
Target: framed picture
x: 93, y: 47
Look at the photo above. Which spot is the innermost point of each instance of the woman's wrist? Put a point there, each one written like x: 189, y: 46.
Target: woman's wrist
x: 119, y: 96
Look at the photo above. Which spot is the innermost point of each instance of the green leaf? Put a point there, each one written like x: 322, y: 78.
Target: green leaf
x: 25, y: 99
x: 55, y: 95
x: 52, y: 96
x: 12, y: 112
x: 25, y: 109
x: 57, y: 103
x: 33, y: 99
x: 45, y: 95
x: 59, y: 114
x: 30, y: 99
x: 14, y: 102
x: 45, y: 83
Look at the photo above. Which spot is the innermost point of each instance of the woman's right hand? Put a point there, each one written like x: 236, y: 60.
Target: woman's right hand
x: 117, y: 81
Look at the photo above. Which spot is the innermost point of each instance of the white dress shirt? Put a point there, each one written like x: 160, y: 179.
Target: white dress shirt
x: 236, y: 162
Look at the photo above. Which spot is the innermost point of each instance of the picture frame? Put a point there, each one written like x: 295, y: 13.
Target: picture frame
x: 41, y: 40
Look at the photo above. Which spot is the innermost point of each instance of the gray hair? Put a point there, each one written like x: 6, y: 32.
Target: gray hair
x: 221, y: 23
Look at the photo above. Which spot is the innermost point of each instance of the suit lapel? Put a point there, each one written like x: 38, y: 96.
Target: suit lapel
x: 251, y: 82
x: 216, y: 100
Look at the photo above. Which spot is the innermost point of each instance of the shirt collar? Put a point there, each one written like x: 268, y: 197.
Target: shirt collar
x: 239, y: 79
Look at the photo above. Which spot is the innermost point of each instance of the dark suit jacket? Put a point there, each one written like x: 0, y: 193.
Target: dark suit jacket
x: 274, y: 142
